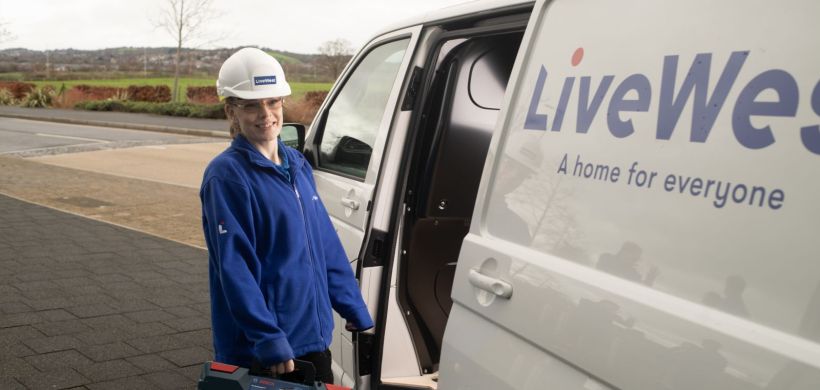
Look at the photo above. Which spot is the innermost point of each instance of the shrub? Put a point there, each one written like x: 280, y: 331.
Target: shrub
x: 70, y: 98
x: 149, y: 93
x: 89, y: 92
x: 211, y: 111
x: 304, y: 110
x: 38, y: 98
x: 102, y: 105
x: 121, y: 95
x: 315, y: 98
x: 7, y: 98
x: 17, y: 89
x: 142, y: 93
x: 62, y: 90
x: 202, y: 95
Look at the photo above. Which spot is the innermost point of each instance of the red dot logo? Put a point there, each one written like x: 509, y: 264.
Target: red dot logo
x: 577, y: 56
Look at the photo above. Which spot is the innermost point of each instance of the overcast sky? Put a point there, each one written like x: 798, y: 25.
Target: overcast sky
x: 296, y: 25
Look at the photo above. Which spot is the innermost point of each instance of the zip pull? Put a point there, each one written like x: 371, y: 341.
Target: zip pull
x: 296, y: 190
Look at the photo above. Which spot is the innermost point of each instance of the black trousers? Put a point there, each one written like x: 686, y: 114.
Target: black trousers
x: 321, y: 362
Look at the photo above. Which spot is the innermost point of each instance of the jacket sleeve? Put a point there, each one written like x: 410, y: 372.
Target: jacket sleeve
x: 342, y: 285
x: 228, y: 224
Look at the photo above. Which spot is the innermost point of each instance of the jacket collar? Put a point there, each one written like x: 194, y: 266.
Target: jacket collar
x: 243, y: 146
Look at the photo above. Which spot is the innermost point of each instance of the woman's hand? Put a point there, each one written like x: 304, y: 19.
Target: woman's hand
x: 282, y: 368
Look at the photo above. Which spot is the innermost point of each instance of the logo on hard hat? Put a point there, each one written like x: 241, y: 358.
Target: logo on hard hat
x: 264, y: 80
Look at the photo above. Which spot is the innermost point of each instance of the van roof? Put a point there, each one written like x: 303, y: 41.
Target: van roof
x: 468, y: 7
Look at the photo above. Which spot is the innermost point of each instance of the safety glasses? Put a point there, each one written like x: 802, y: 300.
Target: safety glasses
x: 255, y: 106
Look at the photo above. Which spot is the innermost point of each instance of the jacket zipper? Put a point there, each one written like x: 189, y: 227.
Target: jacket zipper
x: 310, y: 257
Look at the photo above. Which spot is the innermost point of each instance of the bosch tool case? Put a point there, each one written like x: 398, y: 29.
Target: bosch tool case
x: 220, y: 376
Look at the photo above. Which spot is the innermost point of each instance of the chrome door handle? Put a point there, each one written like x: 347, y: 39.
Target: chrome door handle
x: 350, y: 203
x: 493, y: 285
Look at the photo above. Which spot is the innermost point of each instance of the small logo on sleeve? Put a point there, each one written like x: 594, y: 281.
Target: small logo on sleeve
x: 264, y: 80
x: 221, y: 229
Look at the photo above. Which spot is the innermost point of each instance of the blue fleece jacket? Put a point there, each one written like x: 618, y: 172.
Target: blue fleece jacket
x: 276, y: 263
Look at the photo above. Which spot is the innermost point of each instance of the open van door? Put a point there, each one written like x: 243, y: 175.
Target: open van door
x: 345, y: 147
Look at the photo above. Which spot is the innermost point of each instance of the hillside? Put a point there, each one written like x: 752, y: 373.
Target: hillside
x: 121, y: 62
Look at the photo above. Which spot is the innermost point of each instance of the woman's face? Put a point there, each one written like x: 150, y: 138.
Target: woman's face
x: 260, y: 120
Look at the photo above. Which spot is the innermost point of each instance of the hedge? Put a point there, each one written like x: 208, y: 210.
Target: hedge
x: 18, y: 90
x: 202, y: 95
x: 149, y: 93
x: 211, y: 111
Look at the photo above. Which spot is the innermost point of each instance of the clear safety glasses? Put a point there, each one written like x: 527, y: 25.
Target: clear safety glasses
x: 253, y: 107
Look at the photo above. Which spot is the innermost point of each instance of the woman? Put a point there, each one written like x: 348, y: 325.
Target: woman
x: 277, y: 267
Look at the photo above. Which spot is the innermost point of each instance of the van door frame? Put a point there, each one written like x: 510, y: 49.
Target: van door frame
x: 427, y: 54
x: 369, y: 185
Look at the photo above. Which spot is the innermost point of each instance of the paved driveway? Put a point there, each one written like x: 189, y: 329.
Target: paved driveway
x: 85, y: 304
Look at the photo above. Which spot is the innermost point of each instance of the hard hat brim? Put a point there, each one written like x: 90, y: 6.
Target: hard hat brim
x: 282, y: 91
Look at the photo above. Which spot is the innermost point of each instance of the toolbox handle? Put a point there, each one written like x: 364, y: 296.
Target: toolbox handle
x: 307, y: 369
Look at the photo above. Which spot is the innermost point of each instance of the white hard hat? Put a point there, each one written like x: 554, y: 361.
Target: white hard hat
x: 251, y: 73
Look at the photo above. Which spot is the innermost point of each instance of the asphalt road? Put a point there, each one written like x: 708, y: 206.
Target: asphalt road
x: 27, y: 138
x: 121, y: 119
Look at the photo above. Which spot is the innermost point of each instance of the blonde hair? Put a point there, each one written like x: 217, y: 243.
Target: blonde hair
x: 233, y: 130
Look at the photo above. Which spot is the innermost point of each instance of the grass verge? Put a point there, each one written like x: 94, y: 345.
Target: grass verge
x: 298, y: 89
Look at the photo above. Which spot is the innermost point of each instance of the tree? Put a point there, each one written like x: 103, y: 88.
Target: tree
x: 335, y: 55
x: 185, y: 20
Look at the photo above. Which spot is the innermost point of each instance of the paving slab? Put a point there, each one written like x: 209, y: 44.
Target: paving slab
x: 145, y: 162
x: 59, y: 378
x: 64, y: 325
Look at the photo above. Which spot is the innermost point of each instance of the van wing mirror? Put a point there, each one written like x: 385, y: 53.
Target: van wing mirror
x: 293, y: 135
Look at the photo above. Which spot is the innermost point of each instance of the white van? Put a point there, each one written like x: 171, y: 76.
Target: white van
x: 579, y: 194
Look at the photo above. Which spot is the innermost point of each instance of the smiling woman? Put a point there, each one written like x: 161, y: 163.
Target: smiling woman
x: 276, y: 262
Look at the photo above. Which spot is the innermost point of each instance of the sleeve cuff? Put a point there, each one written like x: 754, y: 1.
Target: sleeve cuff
x: 361, y: 319
x: 269, y: 352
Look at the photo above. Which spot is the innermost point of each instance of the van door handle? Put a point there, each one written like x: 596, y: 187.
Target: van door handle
x: 350, y: 203
x: 493, y: 285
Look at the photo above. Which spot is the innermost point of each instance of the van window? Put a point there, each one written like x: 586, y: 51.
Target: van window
x: 355, y: 115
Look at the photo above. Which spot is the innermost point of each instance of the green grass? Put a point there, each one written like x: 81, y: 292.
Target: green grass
x: 11, y: 76
x: 285, y: 59
x: 299, y: 89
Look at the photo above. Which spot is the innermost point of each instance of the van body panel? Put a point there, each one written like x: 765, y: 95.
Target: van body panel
x: 478, y: 355
x: 647, y: 284
x: 615, y: 329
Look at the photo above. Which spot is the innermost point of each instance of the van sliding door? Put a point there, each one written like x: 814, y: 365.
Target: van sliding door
x: 648, y: 214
